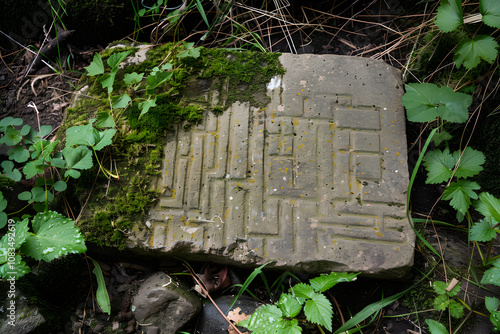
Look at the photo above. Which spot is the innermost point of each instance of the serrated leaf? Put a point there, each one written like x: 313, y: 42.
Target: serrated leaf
x: 302, y: 290
x: 441, y: 302
x: 133, y: 78
x: 470, y: 162
x: 18, y: 153
x: 78, y: 158
x: 470, y: 51
x: 289, y: 305
x: 101, y: 293
x: 105, y: 138
x: 460, y: 194
x: 146, y: 105
x: 439, y: 137
x: 439, y: 287
x: 104, y: 120
x: 96, y: 67
x: 324, y: 282
x: 456, y: 309
x: 54, y: 236
x: 291, y: 327
x: 491, y: 276
x: 22, y: 233
x: 14, y: 270
x: 489, y: 206
x: 436, y: 327
x: 121, y: 102
x: 449, y: 15
x: 265, y: 319
x: 318, y: 310
x: 491, y: 303
x: 490, y: 11
x: 116, y: 58
x: 439, y: 165
x: 495, y: 320
x: 452, y: 106
x: 482, y: 231
x: 455, y: 290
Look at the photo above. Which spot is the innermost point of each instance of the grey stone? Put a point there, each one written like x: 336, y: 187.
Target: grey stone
x: 212, y: 322
x: 19, y: 317
x: 315, y: 182
x: 163, y: 303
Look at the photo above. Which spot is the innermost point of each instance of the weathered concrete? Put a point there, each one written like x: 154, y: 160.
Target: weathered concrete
x: 316, y: 181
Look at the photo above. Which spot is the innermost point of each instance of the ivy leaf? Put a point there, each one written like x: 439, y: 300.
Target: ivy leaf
x: 491, y: 303
x: 492, y: 275
x: 439, y: 165
x: 489, y: 206
x: 53, y: 236
x: 490, y: 10
x: 116, y: 58
x: 146, y: 105
x: 103, y: 138
x: 326, y: 282
x: 482, y: 231
x: 78, y: 158
x: 302, y: 290
x: 449, y: 15
x: 460, y: 194
x: 436, y: 327
x: 17, y: 269
x: 289, y: 305
x: 265, y: 319
x: 470, y: 51
x: 122, y: 101
x: 318, y: 310
x: 96, y: 67
x: 105, y: 120
x: 133, y: 78
x: 470, y: 162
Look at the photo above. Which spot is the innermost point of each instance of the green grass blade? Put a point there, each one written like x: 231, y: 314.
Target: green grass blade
x: 248, y: 281
x: 101, y: 294
x: 202, y: 12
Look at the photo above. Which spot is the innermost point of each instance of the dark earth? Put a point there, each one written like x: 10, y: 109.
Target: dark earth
x: 62, y: 288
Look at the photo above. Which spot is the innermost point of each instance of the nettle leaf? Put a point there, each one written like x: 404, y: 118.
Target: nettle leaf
x: 436, y: 327
x: 302, y: 290
x: 489, y: 206
x: 490, y: 10
x: 492, y: 276
x: 104, y: 120
x: 449, y: 15
x: 54, y: 236
x: 96, y: 67
x: 491, y: 304
x: 318, y: 310
x: 18, y: 153
x: 439, y: 165
x: 133, y: 78
x: 16, y: 270
x: 121, y: 102
x: 470, y: 162
x: 289, y: 305
x: 265, y: 319
x: 482, y: 231
x: 470, y: 51
x: 326, y: 282
x: 146, y: 105
x: 78, y: 158
x: 460, y: 194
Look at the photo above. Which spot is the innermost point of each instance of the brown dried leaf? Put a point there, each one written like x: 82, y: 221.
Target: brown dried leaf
x: 235, y: 315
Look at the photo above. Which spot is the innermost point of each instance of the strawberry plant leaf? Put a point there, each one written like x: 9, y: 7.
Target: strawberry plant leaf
x: 289, y: 305
x: 449, y: 15
x: 470, y: 162
x: 326, y: 282
x: 492, y: 276
x: 17, y: 269
x: 439, y: 165
x: 436, y: 327
x: 491, y: 303
x: 470, y: 51
x: 53, y: 236
x: 96, y: 67
x: 291, y: 327
x: 490, y: 10
x: 489, y: 206
x: 460, y: 194
x: 318, y: 310
x: 482, y: 231
x: 265, y: 319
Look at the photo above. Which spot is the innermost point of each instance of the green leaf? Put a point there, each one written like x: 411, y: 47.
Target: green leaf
x: 491, y: 303
x: 3, y: 219
x: 452, y: 106
x: 491, y: 276
x: 470, y: 162
x: 436, y: 327
x: 439, y: 165
x: 3, y: 202
x: 4, y: 122
x: 105, y: 120
x: 96, y: 67
x: 78, y: 158
x: 460, y: 194
x: 495, y: 320
x: 121, y: 102
x: 14, y: 270
x: 133, y: 78
x: 455, y: 290
x: 18, y: 153
x: 10, y: 172
x: 470, y: 51
x: 440, y: 287
x: 54, y: 236
x: 289, y: 305
x: 21, y: 233
x: 104, y: 139
x: 291, y: 327
x: 81, y: 135
x: 11, y: 136
x: 157, y: 79
x: 72, y: 173
x: 456, y: 309
x: 101, y: 293
x: 489, y: 206
x: 58, y: 163
x: 482, y: 231
x: 326, y: 282
x: 318, y: 310
x: 302, y: 290
x: 24, y: 196
x: 60, y: 186
x: 490, y: 10
x: 190, y: 51
x: 449, y: 15
x: 265, y: 319
x: 441, y: 302
x: 116, y: 58
x: 146, y: 105
x: 107, y: 80
x: 33, y: 168
x: 40, y: 194
x: 439, y: 137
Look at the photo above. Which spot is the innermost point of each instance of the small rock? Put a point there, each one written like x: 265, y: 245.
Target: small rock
x: 98, y: 328
x: 153, y: 330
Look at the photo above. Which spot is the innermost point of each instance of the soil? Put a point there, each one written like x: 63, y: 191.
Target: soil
x: 51, y: 93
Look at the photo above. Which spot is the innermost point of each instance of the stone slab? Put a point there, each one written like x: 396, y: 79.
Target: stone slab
x: 316, y: 181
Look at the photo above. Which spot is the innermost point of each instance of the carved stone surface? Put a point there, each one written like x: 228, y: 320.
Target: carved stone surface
x: 315, y: 181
